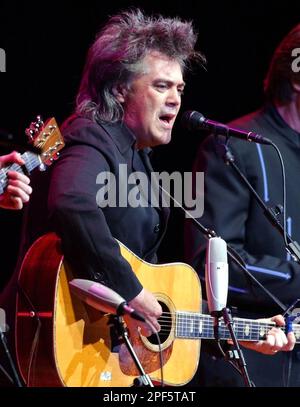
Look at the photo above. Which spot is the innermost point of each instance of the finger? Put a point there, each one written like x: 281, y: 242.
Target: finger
x: 154, y: 324
x: 20, y: 185
x: 279, y: 320
x: 10, y: 202
x: 14, y: 175
x: 270, y: 339
x: 16, y: 192
x: 277, y: 340
x: 16, y: 202
x: 13, y: 157
x: 281, y: 340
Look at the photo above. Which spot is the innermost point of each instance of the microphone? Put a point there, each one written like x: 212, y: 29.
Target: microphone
x: 216, y: 275
x: 193, y: 120
x: 102, y: 298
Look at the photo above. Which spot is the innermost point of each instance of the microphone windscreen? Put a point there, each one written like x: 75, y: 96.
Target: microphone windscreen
x: 216, y: 274
x: 191, y: 119
x: 217, y: 249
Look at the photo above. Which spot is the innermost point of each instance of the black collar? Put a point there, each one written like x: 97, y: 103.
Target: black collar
x: 121, y: 135
x: 280, y: 125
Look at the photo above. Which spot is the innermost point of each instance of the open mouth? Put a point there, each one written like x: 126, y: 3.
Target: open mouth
x: 167, y: 119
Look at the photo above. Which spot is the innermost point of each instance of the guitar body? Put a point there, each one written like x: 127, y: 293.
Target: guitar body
x: 35, y: 308
x: 77, y: 344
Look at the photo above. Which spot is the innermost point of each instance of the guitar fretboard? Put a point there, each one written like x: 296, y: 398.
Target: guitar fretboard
x: 194, y: 325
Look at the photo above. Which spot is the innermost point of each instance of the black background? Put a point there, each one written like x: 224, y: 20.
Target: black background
x: 46, y: 45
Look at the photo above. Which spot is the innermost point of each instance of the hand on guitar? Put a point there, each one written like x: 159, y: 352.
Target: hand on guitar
x: 146, y: 304
x: 275, y: 341
x: 18, y: 189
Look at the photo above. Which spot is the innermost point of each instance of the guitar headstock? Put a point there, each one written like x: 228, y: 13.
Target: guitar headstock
x: 46, y: 137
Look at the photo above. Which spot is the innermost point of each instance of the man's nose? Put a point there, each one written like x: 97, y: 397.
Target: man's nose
x: 174, y: 97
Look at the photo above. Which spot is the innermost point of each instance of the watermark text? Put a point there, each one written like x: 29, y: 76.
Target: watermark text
x: 159, y: 190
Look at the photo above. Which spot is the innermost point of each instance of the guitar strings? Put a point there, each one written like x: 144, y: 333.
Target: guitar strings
x: 187, y: 323
x: 208, y: 330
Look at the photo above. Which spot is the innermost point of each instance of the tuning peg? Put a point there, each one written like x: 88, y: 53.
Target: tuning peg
x: 34, y: 127
x: 29, y: 133
x: 52, y: 128
x: 42, y: 167
x: 39, y: 121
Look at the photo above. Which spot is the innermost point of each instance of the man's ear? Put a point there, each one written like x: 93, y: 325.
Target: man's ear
x: 120, y: 92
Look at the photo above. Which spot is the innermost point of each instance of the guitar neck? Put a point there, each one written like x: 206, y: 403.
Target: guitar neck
x: 200, y: 326
x: 31, y: 160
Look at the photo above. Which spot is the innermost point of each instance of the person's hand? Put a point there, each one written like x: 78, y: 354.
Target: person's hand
x: 275, y: 341
x: 18, y: 188
x: 147, y: 305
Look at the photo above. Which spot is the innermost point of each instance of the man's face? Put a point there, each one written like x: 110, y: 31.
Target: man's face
x: 153, y: 101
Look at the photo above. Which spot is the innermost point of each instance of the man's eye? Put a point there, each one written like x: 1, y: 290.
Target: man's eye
x: 181, y: 92
x: 161, y: 86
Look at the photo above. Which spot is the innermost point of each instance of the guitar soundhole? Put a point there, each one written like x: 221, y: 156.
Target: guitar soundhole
x: 165, y: 322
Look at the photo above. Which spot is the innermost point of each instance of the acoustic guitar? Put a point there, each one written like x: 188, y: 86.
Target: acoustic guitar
x: 61, y: 341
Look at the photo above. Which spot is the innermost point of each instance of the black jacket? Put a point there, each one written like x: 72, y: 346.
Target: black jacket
x: 88, y: 231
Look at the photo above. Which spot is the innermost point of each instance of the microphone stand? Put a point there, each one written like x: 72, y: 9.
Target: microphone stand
x: 144, y: 379
x: 240, y: 357
x: 293, y: 247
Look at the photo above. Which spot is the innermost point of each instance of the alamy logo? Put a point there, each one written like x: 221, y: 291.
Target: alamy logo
x: 137, y: 190
x: 2, y: 60
x: 296, y: 61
